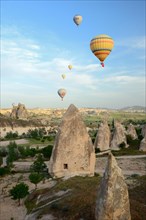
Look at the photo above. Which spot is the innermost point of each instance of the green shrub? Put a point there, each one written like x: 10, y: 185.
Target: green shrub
x: 133, y: 144
x: 122, y: 145
x: 11, y: 135
x: 3, y: 152
x: 50, y: 138
x: 19, y: 191
x: 1, y: 160
x: 47, y: 151
x: 12, y: 153
x: 38, y: 165
x: 4, y: 171
x: 138, y: 131
x: 35, y: 178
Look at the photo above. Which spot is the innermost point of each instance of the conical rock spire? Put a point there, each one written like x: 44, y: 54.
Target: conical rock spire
x: 73, y: 151
x: 112, y: 200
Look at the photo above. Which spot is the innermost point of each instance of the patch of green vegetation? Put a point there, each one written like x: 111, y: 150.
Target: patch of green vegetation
x: 79, y: 203
x: 42, y: 141
x: 125, y: 117
x: 4, y: 171
x: 137, y: 198
x: 127, y: 151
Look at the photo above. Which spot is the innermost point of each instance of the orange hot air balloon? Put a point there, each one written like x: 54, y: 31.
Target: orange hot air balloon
x: 62, y: 93
x: 101, y: 46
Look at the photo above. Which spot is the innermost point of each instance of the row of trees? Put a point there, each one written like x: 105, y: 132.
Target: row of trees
x: 15, y: 152
x: 37, y: 133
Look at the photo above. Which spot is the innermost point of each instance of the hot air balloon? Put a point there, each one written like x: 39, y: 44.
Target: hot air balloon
x: 62, y: 93
x: 63, y: 76
x: 70, y: 67
x: 101, y: 46
x: 77, y: 19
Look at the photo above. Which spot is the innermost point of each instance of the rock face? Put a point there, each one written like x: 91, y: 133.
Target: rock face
x: 132, y: 132
x: 102, y: 140
x: 73, y: 151
x: 112, y: 201
x: 143, y: 144
x: 19, y: 112
x: 119, y: 137
x: 143, y: 131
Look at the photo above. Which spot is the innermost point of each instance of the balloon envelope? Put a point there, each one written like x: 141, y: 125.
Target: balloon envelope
x: 70, y: 67
x: 62, y: 93
x: 63, y: 76
x: 101, y: 46
x: 77, y: 19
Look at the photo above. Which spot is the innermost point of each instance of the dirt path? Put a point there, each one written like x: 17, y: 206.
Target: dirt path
x: 129, y: 164
x: 20, y: 141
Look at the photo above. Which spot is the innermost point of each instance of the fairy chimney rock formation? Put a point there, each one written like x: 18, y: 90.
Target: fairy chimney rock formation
x: 143, y: 131
x: 119, y: 137
x: 19, y: 112
x: 73, y: 151
x: 132, y: 132
x: 102, y: 140
x: 143, y: 144
x: 112, y: 200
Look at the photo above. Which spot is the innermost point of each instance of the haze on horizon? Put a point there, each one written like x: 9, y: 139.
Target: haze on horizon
x: 39, y: 40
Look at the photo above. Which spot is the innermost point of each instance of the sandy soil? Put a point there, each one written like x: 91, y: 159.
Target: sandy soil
x: 9, y: 208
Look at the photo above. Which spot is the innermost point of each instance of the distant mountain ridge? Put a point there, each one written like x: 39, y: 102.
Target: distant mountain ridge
x: 134, y: 108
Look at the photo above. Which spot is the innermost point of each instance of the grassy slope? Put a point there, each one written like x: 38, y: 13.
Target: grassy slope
x: 80, y: 202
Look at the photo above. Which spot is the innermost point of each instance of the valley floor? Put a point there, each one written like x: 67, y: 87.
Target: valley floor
x: 9, y: 209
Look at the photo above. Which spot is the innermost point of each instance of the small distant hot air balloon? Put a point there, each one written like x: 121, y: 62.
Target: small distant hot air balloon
x: 63, y: 76
x: 70, y: 67
x: 77, y: 19
x: 62, y: 93
x: 101, y: 46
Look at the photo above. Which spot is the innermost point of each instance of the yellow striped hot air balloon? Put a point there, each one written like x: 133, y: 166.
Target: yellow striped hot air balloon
x: 101, y: 46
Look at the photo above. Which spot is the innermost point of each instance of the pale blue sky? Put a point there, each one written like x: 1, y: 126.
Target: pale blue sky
x: 39, y: 40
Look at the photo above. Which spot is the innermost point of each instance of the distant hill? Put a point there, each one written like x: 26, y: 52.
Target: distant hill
x: 135, y: 108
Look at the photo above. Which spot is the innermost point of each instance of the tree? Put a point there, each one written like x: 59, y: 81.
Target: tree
x: 4, y: 171
x: 11, y: 135
x: 12, y: 153
x: 35, y: 178
x: 47, y: 151
x: 39, y: 165
x: 19, y: 192
x: 113, y: 123
x: 26, y: 151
